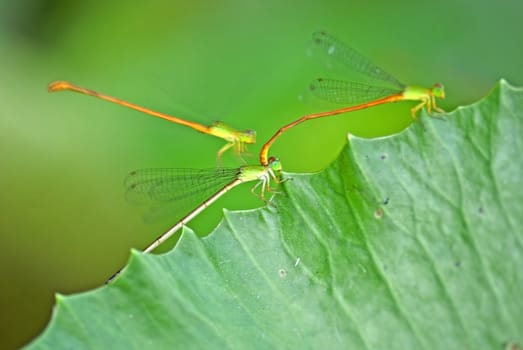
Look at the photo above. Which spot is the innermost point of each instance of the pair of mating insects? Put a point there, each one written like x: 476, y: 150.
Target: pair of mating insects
x: 162, y: 186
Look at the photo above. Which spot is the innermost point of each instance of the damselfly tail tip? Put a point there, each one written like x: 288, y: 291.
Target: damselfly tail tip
x: 56, y: 86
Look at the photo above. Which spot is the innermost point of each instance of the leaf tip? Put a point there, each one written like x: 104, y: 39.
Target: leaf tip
x: 59, y: 297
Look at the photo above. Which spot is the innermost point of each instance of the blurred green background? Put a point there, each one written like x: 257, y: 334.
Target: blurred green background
x: 65, y: 226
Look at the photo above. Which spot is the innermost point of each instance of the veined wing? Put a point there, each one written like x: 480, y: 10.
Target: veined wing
x: 172, y: 192
x: 348, y: 92
x: 352, y: 59
x: 170, y: 184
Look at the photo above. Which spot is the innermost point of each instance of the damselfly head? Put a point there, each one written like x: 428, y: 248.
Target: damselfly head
x: 438, y: 90
x: 275, y: 164
x: 248, y: 136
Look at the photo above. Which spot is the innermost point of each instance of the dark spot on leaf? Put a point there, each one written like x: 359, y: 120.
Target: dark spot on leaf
x: 386, y: 201
x: 457, y: 263
x: 378, y: 213
x: 511, y: 346
x: 383, y: 156
x: 481, y: 210
x: 283, y: 273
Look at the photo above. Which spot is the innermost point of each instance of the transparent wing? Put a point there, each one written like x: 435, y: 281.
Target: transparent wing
x: 173, y: 191
x: 352, y: 59
x: 348, y: 92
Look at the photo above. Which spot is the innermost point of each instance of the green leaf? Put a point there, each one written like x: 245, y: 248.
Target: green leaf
x: 407, y: 242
